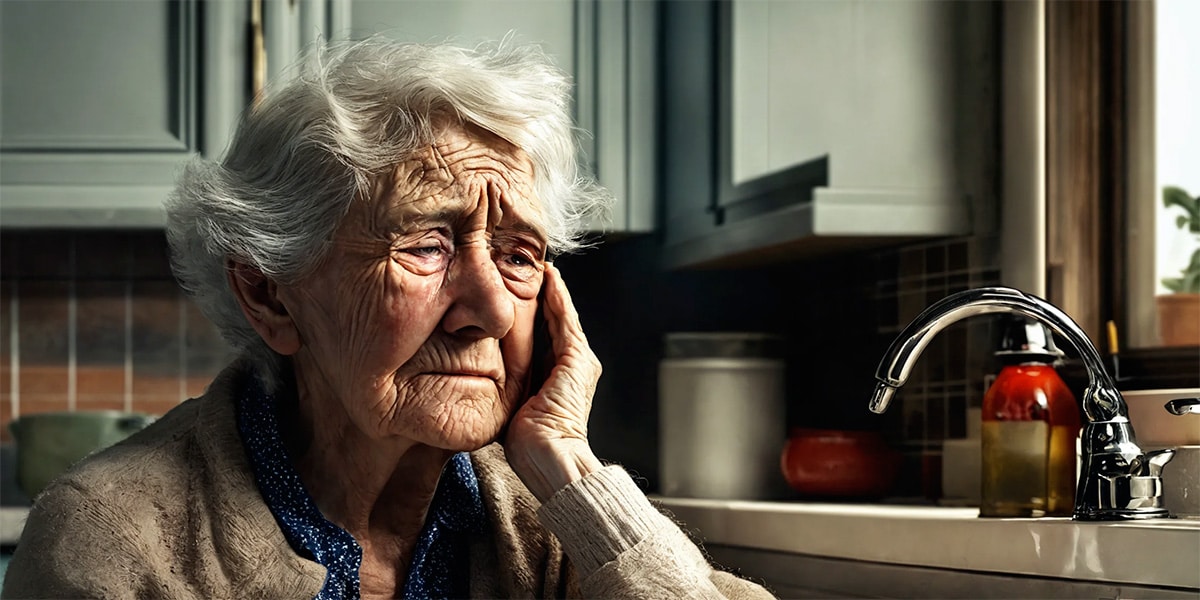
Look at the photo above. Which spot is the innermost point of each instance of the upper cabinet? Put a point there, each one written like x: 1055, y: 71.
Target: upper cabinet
x: 738, y: 129
x: 797, y: 128
x: 103, y: 99
x: 607, y: 46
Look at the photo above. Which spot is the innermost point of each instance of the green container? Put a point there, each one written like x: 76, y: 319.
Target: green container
x: 49, y: 443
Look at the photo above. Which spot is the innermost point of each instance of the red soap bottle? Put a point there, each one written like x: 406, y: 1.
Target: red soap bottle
x: 1030, y: 430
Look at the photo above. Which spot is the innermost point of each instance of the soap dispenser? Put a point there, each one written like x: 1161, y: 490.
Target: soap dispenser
x: 1030, y: 429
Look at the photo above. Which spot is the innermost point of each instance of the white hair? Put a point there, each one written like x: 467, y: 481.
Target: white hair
x: 314, y: 145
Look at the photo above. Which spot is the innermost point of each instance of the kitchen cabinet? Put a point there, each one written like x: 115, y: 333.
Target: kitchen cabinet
x: 797, y: 128
x: 103, y: 100
x: 607, y: 46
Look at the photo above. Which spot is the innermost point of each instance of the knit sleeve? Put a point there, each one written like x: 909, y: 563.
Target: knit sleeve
x: 623, y: 547
x: 76, y: 546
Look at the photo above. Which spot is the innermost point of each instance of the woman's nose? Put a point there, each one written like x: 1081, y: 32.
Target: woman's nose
x: 482, y: 305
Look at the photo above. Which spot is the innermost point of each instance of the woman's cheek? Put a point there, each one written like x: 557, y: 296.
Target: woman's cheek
x: 517, y: 349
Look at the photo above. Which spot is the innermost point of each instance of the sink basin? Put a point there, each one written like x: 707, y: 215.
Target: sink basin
x: 1181, y: 482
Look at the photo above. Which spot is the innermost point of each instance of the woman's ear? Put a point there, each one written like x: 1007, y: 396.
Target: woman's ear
x: 259, y: 299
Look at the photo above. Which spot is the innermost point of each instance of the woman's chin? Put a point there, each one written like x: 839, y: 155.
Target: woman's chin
x: 466, y: 437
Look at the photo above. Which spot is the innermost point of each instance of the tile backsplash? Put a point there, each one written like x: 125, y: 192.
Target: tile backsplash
x: 951, y: 374
x: 95, y: 321
x: 92, y: 320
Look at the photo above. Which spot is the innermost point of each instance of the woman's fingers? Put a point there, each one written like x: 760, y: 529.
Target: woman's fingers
x: 571, y: 347
x: 560, y: 312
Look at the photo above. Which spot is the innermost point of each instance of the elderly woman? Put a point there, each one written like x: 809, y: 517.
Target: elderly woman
x: 375, y: 243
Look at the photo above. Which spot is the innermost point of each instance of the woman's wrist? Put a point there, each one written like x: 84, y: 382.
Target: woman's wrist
x: 547, y: 467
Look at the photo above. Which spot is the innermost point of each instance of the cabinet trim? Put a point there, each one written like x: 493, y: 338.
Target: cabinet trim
x: 834, y: 220
x: 83, y: 206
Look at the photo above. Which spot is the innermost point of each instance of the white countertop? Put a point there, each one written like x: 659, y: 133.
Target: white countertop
x: 12, y: 521
x: 1158, y: 552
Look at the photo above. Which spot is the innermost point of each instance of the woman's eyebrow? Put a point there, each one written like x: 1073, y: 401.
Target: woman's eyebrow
x: 523, y: 227
x: 409, y: 220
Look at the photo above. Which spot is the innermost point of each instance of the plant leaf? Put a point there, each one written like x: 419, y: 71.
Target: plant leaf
x: 1191, y: 283
x: 1175, y: 284
x: 1176, y: 196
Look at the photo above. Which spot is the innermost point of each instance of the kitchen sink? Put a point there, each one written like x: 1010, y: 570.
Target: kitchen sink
x: 1181, y: 483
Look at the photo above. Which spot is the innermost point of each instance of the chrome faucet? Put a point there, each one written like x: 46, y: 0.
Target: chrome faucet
x: 1117, y: 480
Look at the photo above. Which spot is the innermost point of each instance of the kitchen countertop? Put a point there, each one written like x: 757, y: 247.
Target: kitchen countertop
x: 12, y: 520
x: 1157, y: 552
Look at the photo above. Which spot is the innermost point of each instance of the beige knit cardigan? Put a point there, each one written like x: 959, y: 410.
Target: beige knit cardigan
x: 174, y: 512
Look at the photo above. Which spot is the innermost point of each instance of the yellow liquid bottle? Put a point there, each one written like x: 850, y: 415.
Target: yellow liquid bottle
x: 1030, y: 426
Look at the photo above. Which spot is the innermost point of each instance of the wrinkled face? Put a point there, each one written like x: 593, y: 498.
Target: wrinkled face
x: 420, y: 322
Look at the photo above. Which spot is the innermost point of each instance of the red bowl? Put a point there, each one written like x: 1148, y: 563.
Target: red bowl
x: 839, y: 464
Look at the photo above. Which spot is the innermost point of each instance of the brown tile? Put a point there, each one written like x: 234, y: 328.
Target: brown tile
x: 205, y: 348
x: 935, y: 259
x: 6, y: 413
x: 155, y: 405
x: 44, y: 322
x: 6, y: 295
x: 912, y: 263
x: 95, y: 380
x: 935, y: 418
x: 156, y: 345
x: 910, y: 305
x: 206, y: 351
x: 32, y: 404
x: 958, y: 256
x: 100, y: 336
x: 101, y: 402
x: 5, y: 335
x: 43, y: 379
x: 197, y: 384
x: 144, y: 384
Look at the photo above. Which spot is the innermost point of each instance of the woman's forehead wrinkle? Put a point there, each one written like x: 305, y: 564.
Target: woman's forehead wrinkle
x: 463, y: 172
x: 495, y: 207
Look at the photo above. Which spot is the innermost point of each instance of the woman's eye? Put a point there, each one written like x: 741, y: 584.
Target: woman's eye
x: 425, y: 257
x: 426, y: 251
x: 517, y: 266
x: 520, y: 260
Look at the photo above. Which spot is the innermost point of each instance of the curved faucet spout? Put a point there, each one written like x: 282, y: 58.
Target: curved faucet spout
x: 1116, y: 481
x: 898, y: 362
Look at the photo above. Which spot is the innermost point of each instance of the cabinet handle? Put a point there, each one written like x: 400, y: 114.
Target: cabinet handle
x: 258, y: 60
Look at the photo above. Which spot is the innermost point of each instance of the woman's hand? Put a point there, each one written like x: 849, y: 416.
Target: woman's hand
x: 547, y: 443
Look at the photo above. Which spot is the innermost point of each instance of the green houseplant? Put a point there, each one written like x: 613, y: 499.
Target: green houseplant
x: 1179, y: 311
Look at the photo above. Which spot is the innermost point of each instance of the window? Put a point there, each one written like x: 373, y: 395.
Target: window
x: 1172, y: 78
x: 1122, y: 79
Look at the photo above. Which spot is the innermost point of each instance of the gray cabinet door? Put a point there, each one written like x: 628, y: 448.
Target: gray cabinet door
x: 103, y: 99
x: 803, y: 128
x: 606, y: 46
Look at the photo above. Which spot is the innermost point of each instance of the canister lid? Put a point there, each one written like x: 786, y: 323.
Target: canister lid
x: 722, y: 344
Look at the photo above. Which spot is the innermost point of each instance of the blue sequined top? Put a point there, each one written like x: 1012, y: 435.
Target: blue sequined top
x: 440, y: 561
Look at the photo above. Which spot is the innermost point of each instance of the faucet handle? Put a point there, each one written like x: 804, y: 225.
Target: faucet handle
x: 1154, y: 461
x: 1183, y: 406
